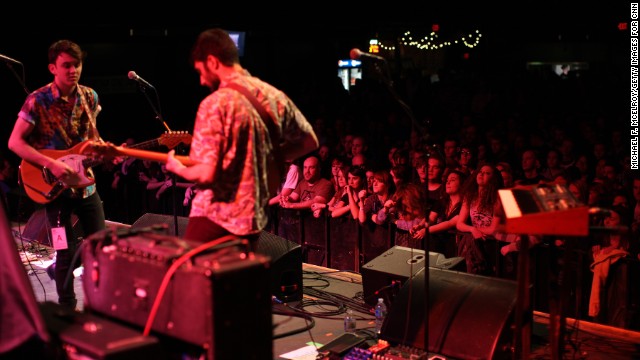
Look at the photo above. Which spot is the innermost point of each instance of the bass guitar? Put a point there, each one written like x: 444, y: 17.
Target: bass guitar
x: 42, y: 187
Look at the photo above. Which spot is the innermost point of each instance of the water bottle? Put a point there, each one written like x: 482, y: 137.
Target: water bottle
x: 380, y: 312
x: 349, y: 322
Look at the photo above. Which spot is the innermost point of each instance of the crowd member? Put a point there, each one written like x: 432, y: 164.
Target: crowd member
x: 442, y: 233
x: 233, y: 193
x: 465, y: 160
x: 289, y: 184
x: 337, y: 163
x: 530, y: 170
x: 341, y: 182
x: 400, y: 174
x: 507, y: 174
x: 408, y: 212
x: 552, y: 169
x: 613, y: 247
x: 479, y: 218
x: 311, y: 190
x: 375, y: 239
x: 353, y: 194
x: 59, y: 116
x: 450, y: 150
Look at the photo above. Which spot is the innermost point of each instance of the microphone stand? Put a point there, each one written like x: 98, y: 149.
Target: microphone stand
x: 21, y: 80
x: 386, y: 77
x: 174, y: 184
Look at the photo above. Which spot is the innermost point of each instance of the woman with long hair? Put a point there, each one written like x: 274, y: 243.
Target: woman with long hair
x: 479, y: 218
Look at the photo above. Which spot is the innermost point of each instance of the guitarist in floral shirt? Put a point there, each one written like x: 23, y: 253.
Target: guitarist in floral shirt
x: 232, y: 144
x: 59, y: 116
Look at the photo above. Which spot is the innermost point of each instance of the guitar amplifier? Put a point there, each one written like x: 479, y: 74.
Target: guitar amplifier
x: 209, y: 301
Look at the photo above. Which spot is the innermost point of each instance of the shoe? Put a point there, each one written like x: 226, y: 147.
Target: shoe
x: 51, y: 271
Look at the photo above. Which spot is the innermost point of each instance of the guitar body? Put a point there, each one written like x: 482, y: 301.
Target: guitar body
x: 42, y: 187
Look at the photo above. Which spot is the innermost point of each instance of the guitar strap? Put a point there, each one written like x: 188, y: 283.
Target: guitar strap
x: 274, y: 130
x: 93, y: 129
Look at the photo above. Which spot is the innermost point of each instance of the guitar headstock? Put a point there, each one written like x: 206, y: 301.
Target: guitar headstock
x: 171, y: 139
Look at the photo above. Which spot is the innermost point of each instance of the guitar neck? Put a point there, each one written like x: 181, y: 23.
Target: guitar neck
x: 153, y: 156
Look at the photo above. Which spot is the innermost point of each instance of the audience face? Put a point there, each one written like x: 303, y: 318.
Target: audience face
x: 529, y: 161
x: 391, y: 155
x: 354, y: 182
x: 450, y: 148
x: 310, y: 170
x: 612, y: 220
x: 465, y: 156
x: 357, y: 146
x: 346, y: 142
x: 379, y: 187
x: 453, y: 184
x: 484, y: 175
x: 582, y: 164
x: 573, y: 188
x: 335, y: 166
x: 369, y: 179
x: 434, y: 174
x: 342, y: 180
x: 323, y: 152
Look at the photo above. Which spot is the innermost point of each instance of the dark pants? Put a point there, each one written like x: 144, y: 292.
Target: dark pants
x: 203, y: 230
x: 91, y: 218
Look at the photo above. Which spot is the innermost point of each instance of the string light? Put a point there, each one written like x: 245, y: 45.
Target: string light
x: 432, y: 41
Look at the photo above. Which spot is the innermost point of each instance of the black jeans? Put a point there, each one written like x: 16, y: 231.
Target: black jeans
x: 91, y: 218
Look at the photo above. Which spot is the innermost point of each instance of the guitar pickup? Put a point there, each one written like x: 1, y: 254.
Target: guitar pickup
x: 55, y: 190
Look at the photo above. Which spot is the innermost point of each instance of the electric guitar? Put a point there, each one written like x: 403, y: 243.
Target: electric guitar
x: 43, y: 187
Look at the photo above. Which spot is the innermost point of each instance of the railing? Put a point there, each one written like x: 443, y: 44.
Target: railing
x: 339, y: 243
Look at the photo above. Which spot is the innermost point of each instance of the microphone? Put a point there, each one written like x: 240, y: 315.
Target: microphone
x: 8, y: 59
x: 133, y: 76
x: 356, y: 54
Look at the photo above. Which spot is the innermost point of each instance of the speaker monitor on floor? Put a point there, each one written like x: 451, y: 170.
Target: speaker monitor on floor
x: 286, y: 265
x: 469, y: 316
x: 150, y: 219
x: 383, y: 276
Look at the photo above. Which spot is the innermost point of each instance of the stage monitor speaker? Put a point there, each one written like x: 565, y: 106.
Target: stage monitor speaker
x: 470, y: 316
x: 150, y: 219
x: 286, y: 265
x: 384, y: 275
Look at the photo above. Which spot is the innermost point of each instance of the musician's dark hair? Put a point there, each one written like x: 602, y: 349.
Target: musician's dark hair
x: 218, y: 43
x: 67, y: 47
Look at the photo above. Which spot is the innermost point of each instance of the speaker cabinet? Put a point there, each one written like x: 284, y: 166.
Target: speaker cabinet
x: 469, y: 316
x: 208, y: 302
x: 286, y: 265
x: 383, y: 276
x: 150, y: 219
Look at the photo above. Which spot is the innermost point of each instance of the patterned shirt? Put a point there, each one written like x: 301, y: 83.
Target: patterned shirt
x: 229, y: 134
x: 59, y: 124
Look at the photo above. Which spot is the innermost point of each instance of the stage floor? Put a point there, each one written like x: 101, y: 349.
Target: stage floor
x: 318, y: 318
